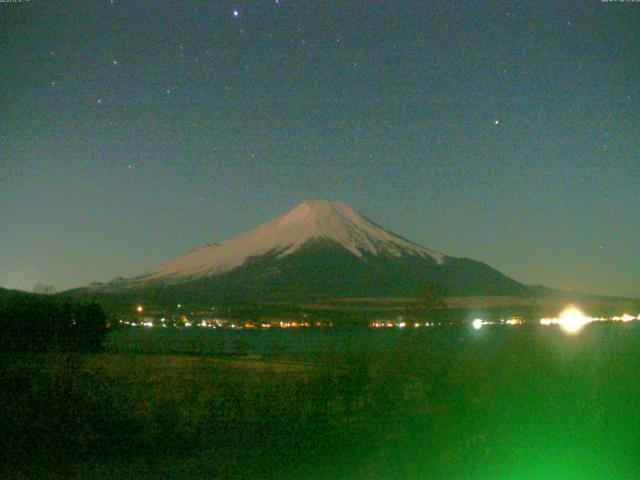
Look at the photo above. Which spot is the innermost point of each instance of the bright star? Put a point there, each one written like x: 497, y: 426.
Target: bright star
x: 496, y: 122
x: 236, y: 13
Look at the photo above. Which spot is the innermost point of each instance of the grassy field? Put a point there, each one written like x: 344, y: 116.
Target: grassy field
x: 512, y: 403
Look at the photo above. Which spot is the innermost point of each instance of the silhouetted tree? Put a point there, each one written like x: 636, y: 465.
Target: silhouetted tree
x: 427, y: 302
x: 88, y: 326
x: 40, y: 323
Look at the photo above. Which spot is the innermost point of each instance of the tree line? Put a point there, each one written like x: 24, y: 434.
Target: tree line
x: 41, y: 323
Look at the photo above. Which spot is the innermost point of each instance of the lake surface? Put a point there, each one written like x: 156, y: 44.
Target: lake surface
x: 201, y: 341
x: 340, y: 340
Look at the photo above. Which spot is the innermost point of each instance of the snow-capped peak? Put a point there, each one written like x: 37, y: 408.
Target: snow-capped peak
x: 312, y: 219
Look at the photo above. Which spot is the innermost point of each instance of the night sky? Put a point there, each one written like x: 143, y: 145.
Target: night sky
x: 132, y: 131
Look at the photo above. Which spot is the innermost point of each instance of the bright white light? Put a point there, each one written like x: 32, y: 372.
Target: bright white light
x: 572, y: 320
x: 477, y: 323
x: 236, y: 13
x: 627, y: 318
x: 139, y: 308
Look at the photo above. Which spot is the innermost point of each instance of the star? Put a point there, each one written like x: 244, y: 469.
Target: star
x: 115, y: 62
x: 236, y: 13
x: 53, y: 84
x: 168, y: 90
x: 99, y: 101
x: 496, y: 122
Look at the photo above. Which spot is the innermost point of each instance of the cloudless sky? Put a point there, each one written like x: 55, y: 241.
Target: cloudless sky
x: 508, y: 132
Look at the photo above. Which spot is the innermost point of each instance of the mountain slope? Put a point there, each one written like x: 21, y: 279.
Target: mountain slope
x: 311, y: 220
x: 318, y: 249
x: 324, y: 269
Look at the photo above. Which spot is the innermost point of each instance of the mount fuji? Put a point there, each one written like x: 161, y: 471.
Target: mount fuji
x: 318, y: 249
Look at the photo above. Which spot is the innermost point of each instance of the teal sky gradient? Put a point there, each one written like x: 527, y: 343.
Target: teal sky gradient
x: 133, y: 131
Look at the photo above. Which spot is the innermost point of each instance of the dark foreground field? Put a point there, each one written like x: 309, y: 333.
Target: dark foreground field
x: 499, y: 403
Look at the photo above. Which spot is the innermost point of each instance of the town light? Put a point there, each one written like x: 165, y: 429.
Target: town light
x: 572, y: 320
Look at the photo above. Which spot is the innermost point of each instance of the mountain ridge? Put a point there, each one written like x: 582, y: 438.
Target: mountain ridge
x: 318, y: 249
x: 311, y: 219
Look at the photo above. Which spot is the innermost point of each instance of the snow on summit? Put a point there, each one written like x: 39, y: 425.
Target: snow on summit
x: 310, y: 220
